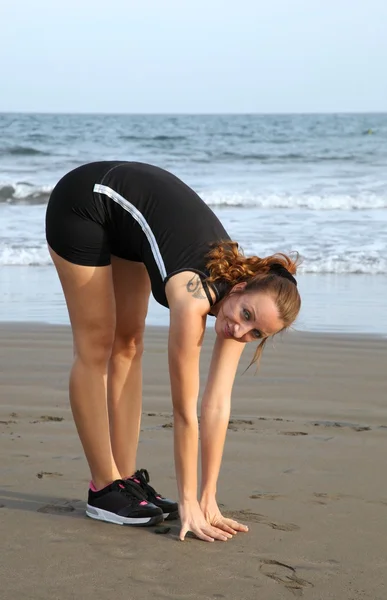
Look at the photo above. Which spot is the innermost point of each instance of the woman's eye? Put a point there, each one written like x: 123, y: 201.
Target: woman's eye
x: 257, y: 334
x: 246, y: 314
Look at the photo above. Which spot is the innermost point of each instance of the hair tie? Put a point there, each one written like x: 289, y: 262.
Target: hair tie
x: 280, y: 270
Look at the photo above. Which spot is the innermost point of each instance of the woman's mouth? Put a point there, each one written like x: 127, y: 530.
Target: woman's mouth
x: 227, y: 332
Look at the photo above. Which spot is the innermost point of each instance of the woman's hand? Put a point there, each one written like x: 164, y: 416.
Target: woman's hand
x: 215, y: 518
x: 193, y: 519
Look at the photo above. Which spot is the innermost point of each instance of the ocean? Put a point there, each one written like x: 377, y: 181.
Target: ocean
x: 316, y: 184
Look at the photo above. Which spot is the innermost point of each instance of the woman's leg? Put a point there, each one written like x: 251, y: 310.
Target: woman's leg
x: 90, y: 301
x: 131, y: 289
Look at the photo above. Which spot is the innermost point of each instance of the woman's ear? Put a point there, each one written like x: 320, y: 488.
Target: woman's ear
x: 239, y: 287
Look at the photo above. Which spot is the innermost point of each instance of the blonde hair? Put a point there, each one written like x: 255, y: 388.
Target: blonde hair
x: 227, y: 263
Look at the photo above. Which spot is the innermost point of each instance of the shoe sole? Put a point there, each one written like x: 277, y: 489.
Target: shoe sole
x: 104, y: 515
x: 171, y: 516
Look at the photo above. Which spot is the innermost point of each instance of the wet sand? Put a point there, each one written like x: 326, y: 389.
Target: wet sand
x: 304, y: 467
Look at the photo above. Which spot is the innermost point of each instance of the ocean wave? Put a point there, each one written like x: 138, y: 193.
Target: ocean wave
x: 347, y: 262
x: 367, y: 263
x: 289, y: 157
x: 325, y: 202
x: 22, y: 151
x: 27, y: 193
x: 24, y: 193
x: 34, y: 256
x: 155, y: 138
x: 330, y: 265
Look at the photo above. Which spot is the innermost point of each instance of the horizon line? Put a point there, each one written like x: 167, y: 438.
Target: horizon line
x: 194, y: 114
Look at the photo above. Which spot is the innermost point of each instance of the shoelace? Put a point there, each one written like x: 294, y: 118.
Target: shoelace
x: 132, y: 489
x: 143, y: 476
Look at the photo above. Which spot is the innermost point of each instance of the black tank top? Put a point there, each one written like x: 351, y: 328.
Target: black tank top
x: 159, y: 220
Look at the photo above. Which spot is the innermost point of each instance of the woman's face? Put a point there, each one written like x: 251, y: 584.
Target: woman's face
x: 247, y: 317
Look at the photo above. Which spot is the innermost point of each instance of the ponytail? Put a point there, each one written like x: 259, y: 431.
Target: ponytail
x: 227, y: 262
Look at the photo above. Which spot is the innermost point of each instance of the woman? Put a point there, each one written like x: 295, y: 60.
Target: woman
x: 117, y: 231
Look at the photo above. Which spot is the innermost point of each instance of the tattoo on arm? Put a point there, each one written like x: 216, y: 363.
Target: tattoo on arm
x: 194, y: 287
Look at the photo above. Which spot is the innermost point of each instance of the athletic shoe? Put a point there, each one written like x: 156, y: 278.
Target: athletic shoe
x: 169, y: 507
x: 122, y: 503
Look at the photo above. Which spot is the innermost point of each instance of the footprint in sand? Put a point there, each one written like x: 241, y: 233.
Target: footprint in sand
x: 42, y: 474
x: 292, y: 433
x: 265, y: 496
x: 382, y: 502
x: 47, y: 419
x: 233, y: 424
x: 341, y: 424
x: 56, y: 509
x: 361, y: 428
x: 250, y: 517
x: 275, y: 419
x: 323, y: 498
x: 286, y: 575
x: 62, y: 506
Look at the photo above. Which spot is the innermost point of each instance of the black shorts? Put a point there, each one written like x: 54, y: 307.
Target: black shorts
x: 80, y: 226
x: 135, y: 211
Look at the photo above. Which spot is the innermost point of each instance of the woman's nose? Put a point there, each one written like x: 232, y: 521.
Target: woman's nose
x: 239, y: 330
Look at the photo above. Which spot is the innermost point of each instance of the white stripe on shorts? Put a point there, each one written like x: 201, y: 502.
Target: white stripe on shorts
x: 126, y: 205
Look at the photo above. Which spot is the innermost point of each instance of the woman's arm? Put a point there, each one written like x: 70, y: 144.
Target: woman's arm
x: 184, y: 345
x: 187, y: 325
x: 215, y: 411
x: 215, y: 415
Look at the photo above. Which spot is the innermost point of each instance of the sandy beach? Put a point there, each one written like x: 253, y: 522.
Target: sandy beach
x: 304, y: 467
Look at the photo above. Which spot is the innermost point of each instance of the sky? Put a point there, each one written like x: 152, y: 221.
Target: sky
x: 193, y: 56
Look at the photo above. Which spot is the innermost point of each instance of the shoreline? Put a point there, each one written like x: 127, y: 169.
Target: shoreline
x: 349, y: 336
x: 330, y: 303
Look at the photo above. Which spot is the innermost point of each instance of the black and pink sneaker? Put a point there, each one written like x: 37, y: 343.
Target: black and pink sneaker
x: 169, y: 507
x: 122, y: 503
